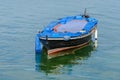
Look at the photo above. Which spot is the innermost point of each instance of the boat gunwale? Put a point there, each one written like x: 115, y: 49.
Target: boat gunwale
x: 62, y: 38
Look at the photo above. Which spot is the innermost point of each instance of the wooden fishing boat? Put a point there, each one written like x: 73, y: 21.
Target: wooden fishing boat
x: 66, y: 33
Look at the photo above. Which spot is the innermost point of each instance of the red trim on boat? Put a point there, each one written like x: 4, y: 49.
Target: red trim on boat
x: 55, y: 28
x: 52, y: 51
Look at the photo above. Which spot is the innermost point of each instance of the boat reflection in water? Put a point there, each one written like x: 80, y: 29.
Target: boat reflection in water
x: 56, y: 64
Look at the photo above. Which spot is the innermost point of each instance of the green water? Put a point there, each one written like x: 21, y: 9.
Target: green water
x: 20, y: 20
x: 70, y: 58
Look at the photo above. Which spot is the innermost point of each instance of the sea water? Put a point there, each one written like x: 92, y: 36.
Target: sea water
x: 20, y: 20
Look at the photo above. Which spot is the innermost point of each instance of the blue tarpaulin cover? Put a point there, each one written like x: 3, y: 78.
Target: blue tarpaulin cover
x: 68, y: 26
